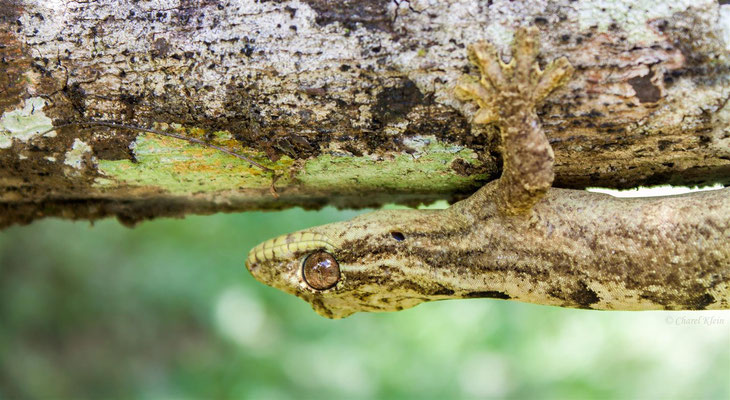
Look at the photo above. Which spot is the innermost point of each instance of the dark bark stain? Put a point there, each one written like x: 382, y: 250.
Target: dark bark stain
x: 370, y: 14
x: 664, y: 144
x: 116, y: 147
x: 160, y: 48
x: 275, y: 135
x: 396, y: 101
x: 465, y: 168
x: 9, y: 11
x: 645, y: 90
x: 76, y: 97
x: 42, y: 178
x: 293, y: 145
x: 683, y: 31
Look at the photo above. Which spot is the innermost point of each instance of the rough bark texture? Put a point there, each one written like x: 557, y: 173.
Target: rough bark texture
x: 350, y: 100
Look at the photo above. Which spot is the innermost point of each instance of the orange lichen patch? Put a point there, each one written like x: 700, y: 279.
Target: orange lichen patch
x: 193, y: 167
x: 179, y: 167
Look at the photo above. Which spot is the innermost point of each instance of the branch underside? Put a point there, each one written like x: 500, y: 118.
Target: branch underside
x: 357, y: 116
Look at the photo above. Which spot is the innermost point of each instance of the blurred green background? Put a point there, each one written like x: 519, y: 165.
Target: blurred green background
x: 168, y: 310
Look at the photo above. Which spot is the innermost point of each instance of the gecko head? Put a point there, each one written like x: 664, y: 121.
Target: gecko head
x: 381, y: 261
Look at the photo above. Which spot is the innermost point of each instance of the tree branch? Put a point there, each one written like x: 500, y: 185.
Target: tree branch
x: 350, y: 102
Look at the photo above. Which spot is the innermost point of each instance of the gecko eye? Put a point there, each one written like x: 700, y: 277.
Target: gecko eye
x: 320, y: 270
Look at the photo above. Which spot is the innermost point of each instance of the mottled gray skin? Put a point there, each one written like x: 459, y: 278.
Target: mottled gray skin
x: 576, y: 249
x: 517, y: 238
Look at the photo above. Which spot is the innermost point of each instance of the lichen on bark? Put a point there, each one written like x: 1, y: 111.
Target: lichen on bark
x: 339, y: 97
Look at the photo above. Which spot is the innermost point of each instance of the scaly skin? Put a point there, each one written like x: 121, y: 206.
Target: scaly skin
x: 516, y: 238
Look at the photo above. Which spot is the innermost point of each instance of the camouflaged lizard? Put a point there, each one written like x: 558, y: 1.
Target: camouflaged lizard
x: 516, y: 238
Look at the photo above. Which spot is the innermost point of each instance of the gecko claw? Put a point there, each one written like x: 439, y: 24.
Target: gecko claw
x: 524, y: 56
x: 507, y: 94
x: 556, y: 74
x: 484, y: 55
x: 470, y: 89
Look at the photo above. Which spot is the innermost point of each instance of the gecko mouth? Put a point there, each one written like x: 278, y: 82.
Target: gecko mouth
x: 286, y: 246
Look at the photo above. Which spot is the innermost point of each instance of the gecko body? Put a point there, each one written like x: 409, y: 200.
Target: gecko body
x: 516, y: 238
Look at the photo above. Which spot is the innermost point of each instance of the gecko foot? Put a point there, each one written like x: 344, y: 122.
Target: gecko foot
x: 507, y: 94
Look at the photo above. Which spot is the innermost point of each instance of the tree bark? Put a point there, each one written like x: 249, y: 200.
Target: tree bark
x: 349, y: 102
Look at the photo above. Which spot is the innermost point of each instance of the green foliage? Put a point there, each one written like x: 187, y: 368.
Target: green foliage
x: 168, y: 310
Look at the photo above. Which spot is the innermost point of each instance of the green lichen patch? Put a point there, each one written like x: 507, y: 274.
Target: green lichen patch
x: 180, y: 167
x: 429, y: 170
x: 23, y: 124
x: 75, y: 157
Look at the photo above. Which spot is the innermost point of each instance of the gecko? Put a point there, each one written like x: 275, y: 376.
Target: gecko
x: 517, y: 237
